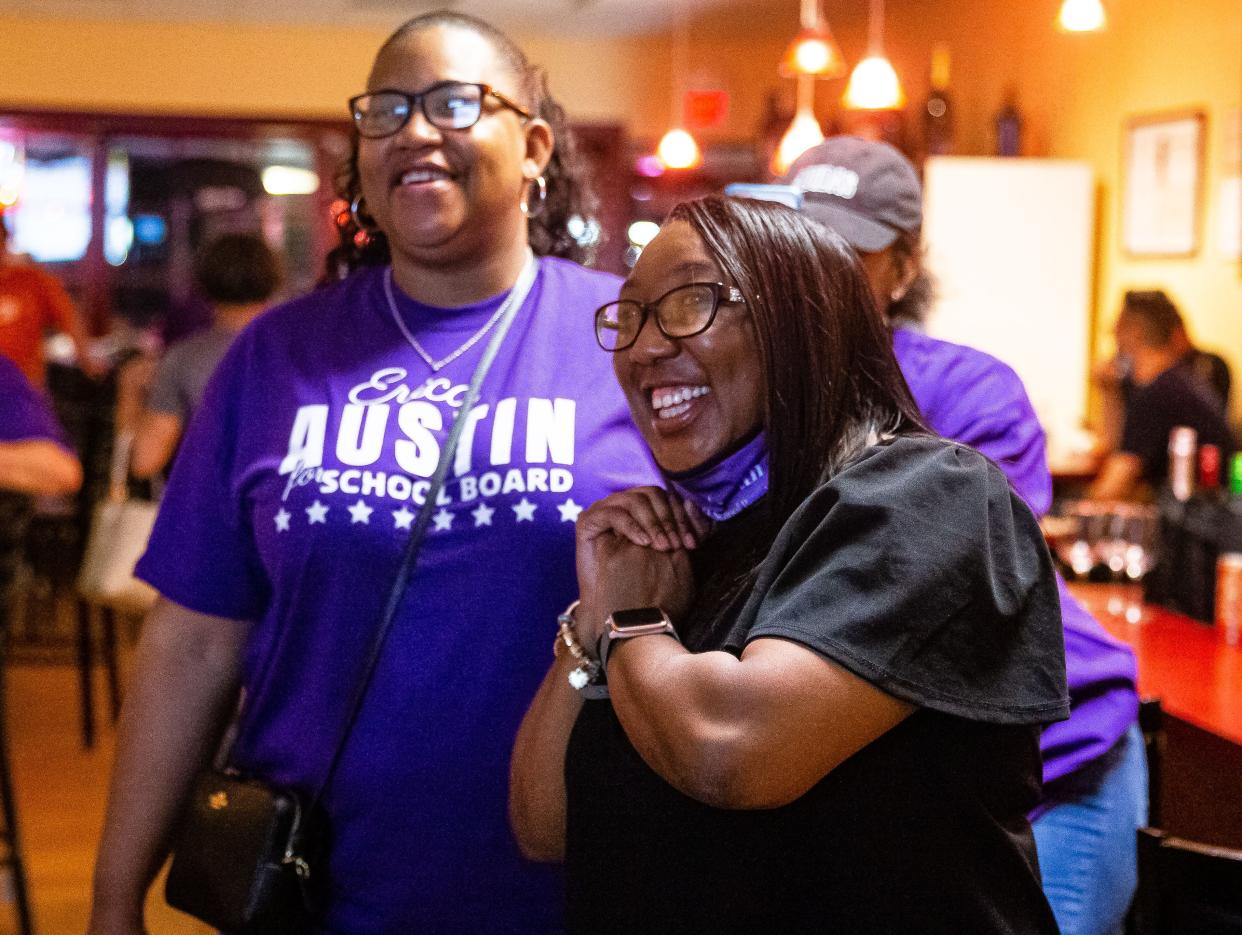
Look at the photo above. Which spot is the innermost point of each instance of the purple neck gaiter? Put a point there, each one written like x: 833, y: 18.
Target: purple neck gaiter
x: 725, y: 486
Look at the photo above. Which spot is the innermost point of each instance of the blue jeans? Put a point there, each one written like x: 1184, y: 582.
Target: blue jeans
x: 1087, y: 849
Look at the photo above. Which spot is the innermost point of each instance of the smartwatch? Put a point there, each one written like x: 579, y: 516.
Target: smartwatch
x: 627, y: 624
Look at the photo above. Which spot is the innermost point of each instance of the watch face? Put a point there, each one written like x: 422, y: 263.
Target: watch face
x: 638, y: 616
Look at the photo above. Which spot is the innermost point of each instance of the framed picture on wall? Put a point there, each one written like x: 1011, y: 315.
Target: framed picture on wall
x: 1162, y: 175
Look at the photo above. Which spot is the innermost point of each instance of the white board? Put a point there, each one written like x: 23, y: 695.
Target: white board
x: 1011, y: 244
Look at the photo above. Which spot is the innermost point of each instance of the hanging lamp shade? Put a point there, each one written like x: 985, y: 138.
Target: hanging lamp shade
x: 813, y: 52
x: 874, y: 86
x: 802, y: 134
x: 1082, y: 16
x: 678, y: 150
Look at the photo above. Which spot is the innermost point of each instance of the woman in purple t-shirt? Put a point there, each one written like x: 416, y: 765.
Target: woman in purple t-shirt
x: 33, y: 455
x: 298, y: 481
x: 33, y: 461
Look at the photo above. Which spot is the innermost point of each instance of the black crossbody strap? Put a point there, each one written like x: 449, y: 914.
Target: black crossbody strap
x: 521, y: 289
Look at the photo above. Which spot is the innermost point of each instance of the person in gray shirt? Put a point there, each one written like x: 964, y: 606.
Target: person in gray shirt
x: 238, y: 274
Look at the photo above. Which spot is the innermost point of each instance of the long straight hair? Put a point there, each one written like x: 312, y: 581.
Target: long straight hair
x: 829, y: 378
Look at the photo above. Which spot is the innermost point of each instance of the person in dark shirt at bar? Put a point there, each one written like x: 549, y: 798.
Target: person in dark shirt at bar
x: 1167, y: 393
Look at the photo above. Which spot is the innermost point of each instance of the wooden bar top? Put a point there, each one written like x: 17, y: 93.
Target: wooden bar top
x: 1188, y: 665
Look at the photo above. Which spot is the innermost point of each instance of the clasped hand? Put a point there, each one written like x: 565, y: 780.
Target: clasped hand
x: 632, y: 551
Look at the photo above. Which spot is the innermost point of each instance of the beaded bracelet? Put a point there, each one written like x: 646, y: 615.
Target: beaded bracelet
x: 586, y: 670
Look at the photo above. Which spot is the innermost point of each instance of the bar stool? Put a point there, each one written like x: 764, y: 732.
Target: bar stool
x: 12, y: 529
x: 10, y: 837
x: 118, y: 536
x: 88, y: 613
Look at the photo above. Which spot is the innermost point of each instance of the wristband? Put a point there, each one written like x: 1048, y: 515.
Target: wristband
x: 627, y: 624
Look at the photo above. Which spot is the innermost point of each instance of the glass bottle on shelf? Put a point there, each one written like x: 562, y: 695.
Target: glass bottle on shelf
x: 1009, y: 127
x: 938, y: 109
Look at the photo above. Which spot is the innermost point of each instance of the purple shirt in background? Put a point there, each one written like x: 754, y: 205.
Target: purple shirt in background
x: 974, y: 398
x: 290, y: 504
x: 25, y: 413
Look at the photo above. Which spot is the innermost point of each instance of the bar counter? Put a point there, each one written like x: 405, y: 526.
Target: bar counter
x: 1185, y: 663
x: 1197, y: 676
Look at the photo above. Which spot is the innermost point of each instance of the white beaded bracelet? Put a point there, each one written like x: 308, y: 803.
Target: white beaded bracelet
x: 586, y: 670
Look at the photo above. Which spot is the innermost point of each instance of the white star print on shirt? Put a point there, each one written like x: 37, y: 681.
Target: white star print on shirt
x: 282, y: 520
x: 402, y: 518
x: 443, y: 519
x: 525, y: 511
x: 317, y: 513
x: 483, y: 515
x: 360, y: 512
x: 569, y: 511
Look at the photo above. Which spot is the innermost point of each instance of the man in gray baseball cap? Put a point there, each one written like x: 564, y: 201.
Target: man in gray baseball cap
x: 867, y: 192
x: 870, y: 194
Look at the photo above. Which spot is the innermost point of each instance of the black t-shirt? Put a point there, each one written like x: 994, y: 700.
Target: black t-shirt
x: 1176, y: 397
x: 918, y: 570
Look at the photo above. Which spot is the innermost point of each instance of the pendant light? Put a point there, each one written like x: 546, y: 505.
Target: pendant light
x: 874, y: 84
x: 677, y: 148
x: 813, y: 51
x: 803, y: 133
x: 1081, y: 16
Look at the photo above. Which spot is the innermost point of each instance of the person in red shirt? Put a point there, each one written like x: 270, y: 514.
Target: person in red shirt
x: 31, y: 302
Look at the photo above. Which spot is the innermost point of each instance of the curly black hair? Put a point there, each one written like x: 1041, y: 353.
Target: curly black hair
x: 568, y: 194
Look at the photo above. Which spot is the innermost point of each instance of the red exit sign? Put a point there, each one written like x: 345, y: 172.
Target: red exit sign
x: 706, y: 110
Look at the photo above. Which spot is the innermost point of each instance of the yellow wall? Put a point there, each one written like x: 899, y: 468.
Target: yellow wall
x: 309, y: 71
x: 254, y: 69
x: 1076, y: 93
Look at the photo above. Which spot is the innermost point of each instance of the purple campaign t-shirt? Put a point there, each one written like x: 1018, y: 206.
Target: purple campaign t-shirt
x: 974, y: 398
x: 25, y: 413
x: 290, y: 503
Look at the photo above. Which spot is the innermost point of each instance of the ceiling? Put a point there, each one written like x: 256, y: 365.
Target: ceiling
x: 525, y: 17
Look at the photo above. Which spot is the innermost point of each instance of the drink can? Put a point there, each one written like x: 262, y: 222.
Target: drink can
x: 1229, y: 596
x: 1182, y: 441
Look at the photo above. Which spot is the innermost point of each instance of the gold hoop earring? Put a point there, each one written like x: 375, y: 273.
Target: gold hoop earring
x: 542, y: 201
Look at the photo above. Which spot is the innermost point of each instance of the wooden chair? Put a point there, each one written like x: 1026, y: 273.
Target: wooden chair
x: 1186, y: 888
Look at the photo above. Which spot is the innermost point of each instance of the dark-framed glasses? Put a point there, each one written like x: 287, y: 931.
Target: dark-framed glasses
x: 447, y: 105
x: 681, y: 312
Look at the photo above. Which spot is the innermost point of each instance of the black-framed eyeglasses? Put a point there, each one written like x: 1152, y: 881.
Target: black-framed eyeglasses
x: 447, y: 105
x: 682, y: 312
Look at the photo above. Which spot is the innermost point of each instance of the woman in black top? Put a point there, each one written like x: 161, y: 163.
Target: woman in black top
x: 842, y: 736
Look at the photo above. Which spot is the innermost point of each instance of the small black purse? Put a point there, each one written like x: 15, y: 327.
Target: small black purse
x: 250, y: 858
x: 243, y: 858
